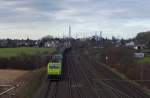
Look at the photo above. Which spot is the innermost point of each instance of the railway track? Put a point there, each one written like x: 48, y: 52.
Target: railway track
x: 58, y: 89
x: 74, y: 84
x: 120, y: 88
x: 85, y: 78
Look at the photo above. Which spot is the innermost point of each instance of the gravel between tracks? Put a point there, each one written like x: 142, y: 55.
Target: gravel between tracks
x: 84, y: 78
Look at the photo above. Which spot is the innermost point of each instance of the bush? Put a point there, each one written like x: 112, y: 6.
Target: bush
x: 24, y: 62
x: 118, y: 57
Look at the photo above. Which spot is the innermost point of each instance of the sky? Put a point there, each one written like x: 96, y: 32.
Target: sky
x: 37, y: 18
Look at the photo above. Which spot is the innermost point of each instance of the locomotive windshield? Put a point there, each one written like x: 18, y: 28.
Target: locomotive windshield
x: 54, y: 66
x: 57, y: 58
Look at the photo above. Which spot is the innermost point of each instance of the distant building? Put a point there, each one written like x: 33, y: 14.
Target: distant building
x: 3, y: 43
x: 139, y: 47
x: 139, y: 55
x: 50, y: 44
x: 130, y: 44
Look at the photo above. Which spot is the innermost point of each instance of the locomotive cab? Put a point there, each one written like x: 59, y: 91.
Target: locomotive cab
x: 55, y: 67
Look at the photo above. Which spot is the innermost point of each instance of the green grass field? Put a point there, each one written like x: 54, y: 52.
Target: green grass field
x: 12, y: 52
x: 145, y: 60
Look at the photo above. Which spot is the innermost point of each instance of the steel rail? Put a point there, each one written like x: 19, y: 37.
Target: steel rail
x: 68, y: 77
x: 7, y: 90
x: 75, y: 79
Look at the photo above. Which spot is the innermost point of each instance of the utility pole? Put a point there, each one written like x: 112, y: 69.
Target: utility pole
x: 63, y: 35
x: 69, y: 39
x: 101, y: 34
x: 100, y: 38
x: 69, y: 32
x: 95, y: 34
x: 76, y: 36
x: 96, y: 38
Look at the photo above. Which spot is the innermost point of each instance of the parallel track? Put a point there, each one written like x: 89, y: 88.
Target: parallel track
x: 123, y: 89
x: 85, y: 78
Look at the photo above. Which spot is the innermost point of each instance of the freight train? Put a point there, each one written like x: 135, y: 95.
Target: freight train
x: 54, y: 67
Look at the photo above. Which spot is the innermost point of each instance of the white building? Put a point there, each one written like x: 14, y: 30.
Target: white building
x: 139, y: 55
x: 130, y: 44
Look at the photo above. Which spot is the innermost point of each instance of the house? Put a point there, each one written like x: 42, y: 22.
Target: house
x: 130, y: 44
x: 139, y: 47
x: 3, y: 43
x: 49, y: 44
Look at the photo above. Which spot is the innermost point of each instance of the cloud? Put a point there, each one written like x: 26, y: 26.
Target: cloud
x: 131, y: 16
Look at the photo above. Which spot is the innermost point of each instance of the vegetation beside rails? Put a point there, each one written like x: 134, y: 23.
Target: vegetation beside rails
x: 121, y: 61
x: 13, y: 52
x: 24, y: 58
x: 33, y: 83
x: 125, y: 78
x: 145, y: 60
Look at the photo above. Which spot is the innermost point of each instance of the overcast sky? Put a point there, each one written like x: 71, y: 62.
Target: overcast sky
x: 37, y: 18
